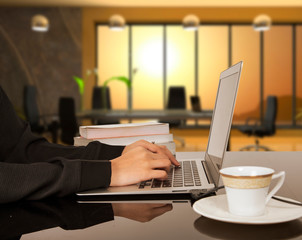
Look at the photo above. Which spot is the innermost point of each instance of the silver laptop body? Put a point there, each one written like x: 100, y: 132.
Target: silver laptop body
x: 205, y: 171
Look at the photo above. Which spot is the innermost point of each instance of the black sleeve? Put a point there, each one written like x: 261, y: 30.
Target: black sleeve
x: 32, y: 168
x: 55, y: 177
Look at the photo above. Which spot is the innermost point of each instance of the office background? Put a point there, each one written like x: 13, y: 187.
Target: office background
x: 155, y: 52
x: 79, y: 40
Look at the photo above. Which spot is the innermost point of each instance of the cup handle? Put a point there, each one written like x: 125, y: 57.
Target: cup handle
x: 280, y: 175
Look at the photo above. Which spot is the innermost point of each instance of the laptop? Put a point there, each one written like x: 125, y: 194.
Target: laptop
x: 194, y: 174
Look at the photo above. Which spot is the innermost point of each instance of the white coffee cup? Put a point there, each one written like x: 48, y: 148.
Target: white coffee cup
x: 247, y: 188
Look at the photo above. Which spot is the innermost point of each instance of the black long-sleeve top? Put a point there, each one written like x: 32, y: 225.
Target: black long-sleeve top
x: 32, y: 168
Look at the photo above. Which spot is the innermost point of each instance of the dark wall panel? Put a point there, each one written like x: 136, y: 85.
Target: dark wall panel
x: 47, y: 60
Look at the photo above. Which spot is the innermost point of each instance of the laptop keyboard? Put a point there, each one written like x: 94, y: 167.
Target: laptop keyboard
x: 184, y: 176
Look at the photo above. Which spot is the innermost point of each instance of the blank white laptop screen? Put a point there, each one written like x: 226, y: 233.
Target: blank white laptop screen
x: 221, y: 122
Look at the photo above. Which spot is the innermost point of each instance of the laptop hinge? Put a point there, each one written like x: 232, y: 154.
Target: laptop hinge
x: 208, y: 175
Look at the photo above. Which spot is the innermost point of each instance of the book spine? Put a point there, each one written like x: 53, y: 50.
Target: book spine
x: 80, y: 141
x: 95, y: 133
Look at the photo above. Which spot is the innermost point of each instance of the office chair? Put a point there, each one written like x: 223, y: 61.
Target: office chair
x: 267, y: 128
x: 195, y: 103
x: 176, y: 100
x: 36, y: 121
x: 68, y: 120
x: 98, y: 103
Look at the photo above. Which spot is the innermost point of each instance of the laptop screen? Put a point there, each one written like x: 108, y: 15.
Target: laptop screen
x: 222, y: 119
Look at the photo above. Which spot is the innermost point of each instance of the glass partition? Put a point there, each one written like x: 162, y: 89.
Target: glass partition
x: 278, y: 70
x: 181, y: 60
x: 163, y: 55
x: 213, y: 59
x: 299, y: 73
x: 147, y: 57
x: 112, y: 60
x: 245, y: 47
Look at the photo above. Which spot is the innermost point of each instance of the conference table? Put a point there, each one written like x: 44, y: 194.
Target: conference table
x: 161, y: 115
x: 153, y: 217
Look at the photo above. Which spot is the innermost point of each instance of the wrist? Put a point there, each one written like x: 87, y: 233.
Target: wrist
x: 113, y: 181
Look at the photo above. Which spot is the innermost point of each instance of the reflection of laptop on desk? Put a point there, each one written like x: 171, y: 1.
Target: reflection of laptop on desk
x: 195, y: 174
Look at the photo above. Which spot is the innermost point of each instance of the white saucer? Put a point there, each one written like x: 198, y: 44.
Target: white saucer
x: 276, y: 212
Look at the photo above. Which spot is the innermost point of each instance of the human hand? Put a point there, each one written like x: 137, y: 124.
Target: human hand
x: 153, y: 148
x: 138, y: 164
x: 141, y: 212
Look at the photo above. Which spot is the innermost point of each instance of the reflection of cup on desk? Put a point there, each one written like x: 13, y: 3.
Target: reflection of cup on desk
x: 247, y: 188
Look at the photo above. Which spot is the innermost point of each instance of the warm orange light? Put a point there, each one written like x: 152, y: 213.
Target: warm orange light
x: 150, y: 58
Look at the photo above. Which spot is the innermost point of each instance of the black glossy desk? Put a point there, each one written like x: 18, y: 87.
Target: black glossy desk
x: 155, y: 219
x: 116, y: 115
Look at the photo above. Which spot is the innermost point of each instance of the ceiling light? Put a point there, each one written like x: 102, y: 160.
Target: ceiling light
x: 190, y: 23
x: 117, y: 23
x: 39, y: 23
x: 262, y: 23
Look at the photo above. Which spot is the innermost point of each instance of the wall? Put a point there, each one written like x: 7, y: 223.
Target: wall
x: 47, y: 60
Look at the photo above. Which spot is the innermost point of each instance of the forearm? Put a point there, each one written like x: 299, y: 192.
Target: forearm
x: 31, y: 148
x: 43, y: 150
x: 19, y: 144
x: 32, y: 168
x: 56, y: 177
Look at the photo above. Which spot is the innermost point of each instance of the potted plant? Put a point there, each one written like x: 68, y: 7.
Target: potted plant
x: 81, y: 83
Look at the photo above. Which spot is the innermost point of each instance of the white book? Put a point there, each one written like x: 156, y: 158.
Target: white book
x: 123, y: 130
x: 164, y: 140
x: 81, y: 141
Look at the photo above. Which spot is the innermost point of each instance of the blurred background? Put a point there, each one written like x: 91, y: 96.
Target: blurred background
x: 158, y: 45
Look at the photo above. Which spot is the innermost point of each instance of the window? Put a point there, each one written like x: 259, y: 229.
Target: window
x: 112, y: 60
x: 213, y: 58
x: 299, y: 72
x: 164, y: 55
x: 147, y: 82
x: 245, y: 47
x: 278, y: 70
x: 181, y: 60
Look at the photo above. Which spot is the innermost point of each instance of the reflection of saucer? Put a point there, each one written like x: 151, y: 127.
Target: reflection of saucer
x: 212, y: 229
x: 276, y: 212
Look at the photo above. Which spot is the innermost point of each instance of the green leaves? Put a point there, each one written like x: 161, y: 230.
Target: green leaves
x: 120, y: 78
x: 80, y: 83
x: 299, y: 115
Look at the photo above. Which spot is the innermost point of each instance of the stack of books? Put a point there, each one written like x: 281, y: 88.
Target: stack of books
x: 125, y: 134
